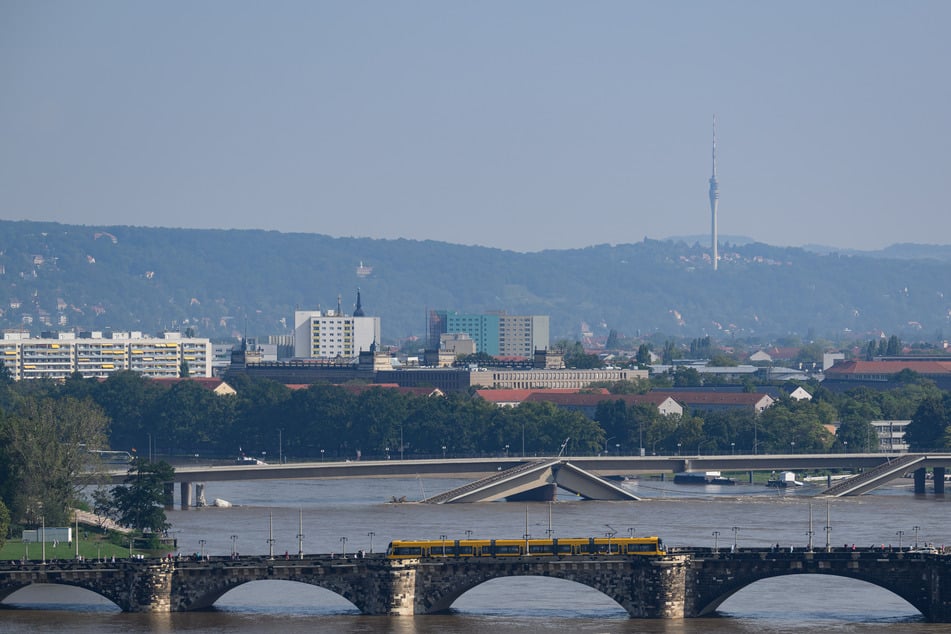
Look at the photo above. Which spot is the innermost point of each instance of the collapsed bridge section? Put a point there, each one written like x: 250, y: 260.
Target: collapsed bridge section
x: 534, y: 480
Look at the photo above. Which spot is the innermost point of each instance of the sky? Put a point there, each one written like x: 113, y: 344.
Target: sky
x: 525, y: 125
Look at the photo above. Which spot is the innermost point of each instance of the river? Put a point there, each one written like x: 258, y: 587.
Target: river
x: 341, y: 514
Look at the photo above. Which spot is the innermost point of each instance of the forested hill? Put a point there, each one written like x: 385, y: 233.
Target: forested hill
x: 227, y: 282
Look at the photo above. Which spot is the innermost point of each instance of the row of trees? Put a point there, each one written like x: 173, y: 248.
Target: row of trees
x: 46, y: 428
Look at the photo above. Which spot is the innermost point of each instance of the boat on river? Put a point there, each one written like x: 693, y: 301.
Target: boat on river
x: 702, y: 477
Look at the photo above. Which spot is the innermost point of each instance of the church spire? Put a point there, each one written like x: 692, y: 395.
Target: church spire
x: 358, y: 312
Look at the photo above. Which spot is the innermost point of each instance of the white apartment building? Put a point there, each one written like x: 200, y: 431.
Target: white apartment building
x: 330, y: 334
x: 94, y: 355
x: 522, y: 335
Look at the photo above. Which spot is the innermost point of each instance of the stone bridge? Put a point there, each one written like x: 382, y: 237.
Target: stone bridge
x: 685, y: 583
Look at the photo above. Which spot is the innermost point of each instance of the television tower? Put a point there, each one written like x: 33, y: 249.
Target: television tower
x: 714, y: 199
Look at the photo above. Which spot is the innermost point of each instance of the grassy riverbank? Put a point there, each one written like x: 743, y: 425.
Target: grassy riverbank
x: 97, y: 545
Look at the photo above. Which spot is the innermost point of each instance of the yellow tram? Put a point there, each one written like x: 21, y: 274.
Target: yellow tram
x: 564, y: 547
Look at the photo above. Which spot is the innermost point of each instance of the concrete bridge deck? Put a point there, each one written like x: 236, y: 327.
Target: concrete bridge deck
x: 685, y: 583
x: 596, y: 465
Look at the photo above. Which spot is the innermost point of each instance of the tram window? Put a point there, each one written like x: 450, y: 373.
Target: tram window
x: 541, y: 549
x: 507, y: 550
x: 464, y: 550
x: 564, y: 548
x: 408, y: 550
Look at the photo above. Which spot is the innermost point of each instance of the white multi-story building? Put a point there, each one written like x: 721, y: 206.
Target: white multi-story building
x: 92, y: 354
x: 522, y: 335
x: 329, y: 334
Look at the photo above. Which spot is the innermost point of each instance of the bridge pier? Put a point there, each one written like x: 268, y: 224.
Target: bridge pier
x: 168, y: 494
x: 186, y: 494
x: 920, y: 478
x: 939, y: 480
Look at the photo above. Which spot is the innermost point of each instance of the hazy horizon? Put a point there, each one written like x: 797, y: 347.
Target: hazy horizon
x: 524, y: 127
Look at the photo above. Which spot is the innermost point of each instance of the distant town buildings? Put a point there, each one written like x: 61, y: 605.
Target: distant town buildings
x: 97, y: 355
x: 495, y: 333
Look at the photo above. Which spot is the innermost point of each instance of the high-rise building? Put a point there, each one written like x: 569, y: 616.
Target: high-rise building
x: 495, y: 333
x: 332, y: 334
x: 714, y: 200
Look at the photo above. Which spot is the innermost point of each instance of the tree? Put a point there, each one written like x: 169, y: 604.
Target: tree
x: 576, y: 357
x: 687, y: 377
x: 643, y: 354
x: 893, y: 347
x: 139, y: 502
x: 929, y: 425
x: 4, y: 523
x: 43, y: 448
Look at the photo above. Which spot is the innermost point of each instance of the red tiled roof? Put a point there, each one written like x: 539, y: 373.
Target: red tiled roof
x: 360, y: 388
x: 519, y: 396
x: 209, y: 383
x: 715, y: 398
x: 889, y: 367
x: 591, y: 400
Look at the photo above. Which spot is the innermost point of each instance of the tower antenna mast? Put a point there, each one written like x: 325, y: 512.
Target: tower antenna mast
x: 714, y: 199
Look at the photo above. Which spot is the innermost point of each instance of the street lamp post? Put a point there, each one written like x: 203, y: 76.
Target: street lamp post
x: 916, y: 529
x: 716, y: 542
x: 401, y: 442
x: 468, y: 533
x: 280, y: 446
x: 270, y: 535
x: 234, y: 549
x: 370, y: 535
x: 321, y: 455
x: 523, y: 439
x: 444, y: 452
x: 343, y: 540
x: 506, y: 451
x: 736, y: 529
x: 900, y: 535
x: 442, y: 538
x: 617, y: 446
x: 201, y: 547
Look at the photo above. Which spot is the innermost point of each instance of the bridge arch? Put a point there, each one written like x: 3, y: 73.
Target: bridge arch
x: 207, y: 594
x: 97, y: 590
x: 626, y: 582
x: 710, y: 602
x: 281, y: 593
x: 818, y: 597
x: 520, y: 594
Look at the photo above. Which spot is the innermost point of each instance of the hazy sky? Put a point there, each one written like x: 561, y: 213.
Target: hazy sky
x: 515, y: 124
